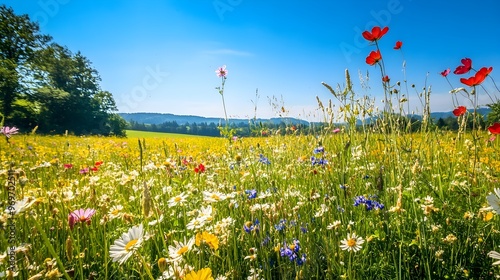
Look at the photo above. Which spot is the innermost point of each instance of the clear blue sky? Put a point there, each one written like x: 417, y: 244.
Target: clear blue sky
x: 160, y: 56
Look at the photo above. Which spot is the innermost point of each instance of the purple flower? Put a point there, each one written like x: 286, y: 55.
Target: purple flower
x: 251, y: 194
x: 302, y: 260
x: 263, y: 159
x: 319, y: 150
x: 251, y: 227
x: 84, y: 170
x: 9, y: 131
x: 370, y: 204
x: 318, y: 161
x: 221, y: 72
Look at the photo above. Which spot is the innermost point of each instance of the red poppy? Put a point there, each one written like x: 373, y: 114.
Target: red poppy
x: 199, y: 169
x: 398, y: 45
x: 445, y: 72
x: 459, y: 111
x: 98, y: 163
x: 462, y: 69
x: 68, y: 165
x: 495, y: 128
x: 373, y: 58
x: 95, y: 169
x: 478, y: 78
x: 386, y: 79
x: 485, y: 71
x: 376, y: 33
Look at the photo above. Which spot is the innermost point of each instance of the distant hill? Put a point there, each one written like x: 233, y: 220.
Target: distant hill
x: 436, y: 115
x: 159, y: 118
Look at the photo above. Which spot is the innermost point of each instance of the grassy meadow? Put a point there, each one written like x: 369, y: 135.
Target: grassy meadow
x: 148, y: 134
x: 332, y: 206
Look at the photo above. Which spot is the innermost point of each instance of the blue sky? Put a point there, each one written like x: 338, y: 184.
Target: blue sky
x: 160, y: 56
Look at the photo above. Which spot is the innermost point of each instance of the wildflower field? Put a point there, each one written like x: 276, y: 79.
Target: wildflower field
x: 376, y: 200
x: 283, y: 207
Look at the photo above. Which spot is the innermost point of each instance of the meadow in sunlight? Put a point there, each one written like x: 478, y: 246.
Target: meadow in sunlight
x: 282, y: 207
x: 383, y: 199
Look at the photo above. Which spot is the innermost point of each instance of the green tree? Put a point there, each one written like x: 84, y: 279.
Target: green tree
x: 20, y: 42
x: 494, y: 114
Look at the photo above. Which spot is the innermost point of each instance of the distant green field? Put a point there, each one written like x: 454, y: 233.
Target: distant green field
x: 147, y: 134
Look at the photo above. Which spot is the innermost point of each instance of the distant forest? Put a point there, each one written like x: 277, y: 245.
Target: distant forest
x: 251, y: 128
x: 212, y: 129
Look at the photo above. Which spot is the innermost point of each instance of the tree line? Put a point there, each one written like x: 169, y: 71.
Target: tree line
x: 45, y: 85
x: 401, y: 123
x: 212, y: 129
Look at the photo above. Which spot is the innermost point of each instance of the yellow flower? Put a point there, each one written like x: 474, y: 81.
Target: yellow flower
x: 202, y: 274
x: 210, y: 239
x: 488, y: 216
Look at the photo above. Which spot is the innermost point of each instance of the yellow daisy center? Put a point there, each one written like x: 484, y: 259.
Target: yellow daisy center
x: 115, y: 212
x: 182, y: 250
x: 214, y: 196
x: 130, y: 244
x: 177, y: 199
x: 351, y: 242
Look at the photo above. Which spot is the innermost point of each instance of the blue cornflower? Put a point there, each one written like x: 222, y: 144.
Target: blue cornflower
x: 251, y: 227
x: 378, y: 206
x: 263, y: 159
x: 266, y: 240
x: 370, y: 204
x: 301, y: 260
x: 286, y: 251
x: 296, y: 246
x: 303, y: 228
x: 281, y: 225
x: 319, y: 150
x: 251, y: 194
x: 359, y: 200
x: 291, y: 252
x: 318, y: 161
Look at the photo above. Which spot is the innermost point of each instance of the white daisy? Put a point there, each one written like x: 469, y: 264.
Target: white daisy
x: 352, y: 243
x: 196, y: 223
x: 494, y: 200
x: 206, y: 213
x: 213, y: 196
x: 115, y: 212
x: 179, y: 199
x: 496, y: 256
x: 124, y: 247
x: 176, y: 252
x: 20, y: 206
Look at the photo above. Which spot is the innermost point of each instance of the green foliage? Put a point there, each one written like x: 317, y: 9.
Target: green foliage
x: 48, y: 86
x: 494, y: 115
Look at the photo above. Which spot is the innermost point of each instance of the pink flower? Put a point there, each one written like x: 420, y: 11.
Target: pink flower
x: 336, y: 130
x: 81, y: 215
x: 445, y: 72
x: 84, y: 170
x: 221, y: 71
x: 9, y: 131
